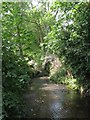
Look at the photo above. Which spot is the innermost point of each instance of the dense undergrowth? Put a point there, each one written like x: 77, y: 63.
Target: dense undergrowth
x: 69, y: 40
x: 61, y: 77
x: 16, y: 75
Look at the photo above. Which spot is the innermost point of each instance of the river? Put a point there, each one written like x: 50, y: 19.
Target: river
x: 45, y: 99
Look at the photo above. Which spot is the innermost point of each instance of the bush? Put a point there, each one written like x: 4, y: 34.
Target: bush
x: 59, y: 76
x: 15, y: 78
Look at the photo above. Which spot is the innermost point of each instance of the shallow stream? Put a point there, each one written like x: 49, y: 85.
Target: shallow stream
x: 45, y: 99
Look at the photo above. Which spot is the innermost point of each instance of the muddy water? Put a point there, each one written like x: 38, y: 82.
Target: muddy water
x: 47, y: 100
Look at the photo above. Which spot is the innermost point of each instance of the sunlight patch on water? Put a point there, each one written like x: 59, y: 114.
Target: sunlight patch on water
x: 52, y: 87
x: 55, y: 108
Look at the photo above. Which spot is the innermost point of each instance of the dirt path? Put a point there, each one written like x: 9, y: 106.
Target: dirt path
x: 47, y: 100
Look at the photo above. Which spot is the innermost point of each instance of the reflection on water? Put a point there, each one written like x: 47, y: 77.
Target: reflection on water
x: 55, y: 109
x: 48, y: 100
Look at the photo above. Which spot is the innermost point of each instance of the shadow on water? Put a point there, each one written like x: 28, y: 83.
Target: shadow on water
x: 48, y: 100
x: 51, y: 101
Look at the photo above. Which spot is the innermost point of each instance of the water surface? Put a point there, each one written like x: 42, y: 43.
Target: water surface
x: 48, y: 100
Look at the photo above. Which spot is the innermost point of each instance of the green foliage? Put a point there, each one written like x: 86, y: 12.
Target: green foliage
x: 24, y: 27
x: 31, y: 32
x: 59, y: 76
x: 69, y: 38
x: 15, y: 79
x: 72, y: 83
x: 16, y: 38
